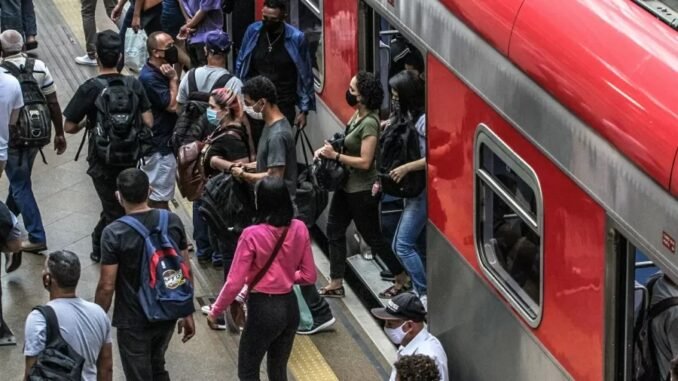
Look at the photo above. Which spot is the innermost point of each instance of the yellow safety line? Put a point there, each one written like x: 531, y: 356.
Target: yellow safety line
x: 306, y: 362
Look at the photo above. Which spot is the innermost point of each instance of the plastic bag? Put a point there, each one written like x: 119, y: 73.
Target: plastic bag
x: 135, y: 49
x: 305, y: 316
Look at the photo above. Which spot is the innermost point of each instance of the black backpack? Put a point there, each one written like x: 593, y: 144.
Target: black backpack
x: 227, y: 204
x: 117, y: 138
x: 398, y: 145
x: 190, y: 125
x: 58, y: 361
x: 645, y: 366
x: 34, y: 128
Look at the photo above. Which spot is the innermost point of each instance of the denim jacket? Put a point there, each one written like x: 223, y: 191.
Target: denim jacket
x: 297, y: 48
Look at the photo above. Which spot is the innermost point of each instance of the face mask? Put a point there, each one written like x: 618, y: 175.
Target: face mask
x: 212, y: 117
x: 272, y: 26
x: 249, y: 110
x: 172, y: 55
x: 396, y: 335
x: 351, y: 99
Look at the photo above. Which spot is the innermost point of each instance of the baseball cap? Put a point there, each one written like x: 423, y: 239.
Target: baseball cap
x: 405, y: 306
x: 217, y: 41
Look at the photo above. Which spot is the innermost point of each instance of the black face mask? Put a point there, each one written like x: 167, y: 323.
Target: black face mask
x: 272, y: 26
x: 351, y: 99
x: 172, y: 55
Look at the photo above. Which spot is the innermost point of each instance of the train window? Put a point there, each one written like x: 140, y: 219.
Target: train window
x: 307, y: 16
x: 509, y: 224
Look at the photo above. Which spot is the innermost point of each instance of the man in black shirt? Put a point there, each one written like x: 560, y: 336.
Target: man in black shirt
x: 276, y: 50
x: 142, y: 344
x: 83, y: 105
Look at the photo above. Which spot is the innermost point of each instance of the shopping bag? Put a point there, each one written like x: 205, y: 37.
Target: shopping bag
x: 135, y: 49
x: 305, y: 316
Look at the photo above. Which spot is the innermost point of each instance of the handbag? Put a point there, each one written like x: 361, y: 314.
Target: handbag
x: 311, y: 201
x: 330, y: 174
x: 237, y: 308
x: 135, y: 49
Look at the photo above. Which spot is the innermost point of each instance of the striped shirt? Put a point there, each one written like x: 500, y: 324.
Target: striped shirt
x: 40, y: 72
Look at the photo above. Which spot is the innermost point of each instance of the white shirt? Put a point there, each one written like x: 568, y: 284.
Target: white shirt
x: 425, y: 344
x: 40, y: 72
x: 11, y: 99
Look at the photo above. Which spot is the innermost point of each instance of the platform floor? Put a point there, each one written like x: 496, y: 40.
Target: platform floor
x: 355, y: 350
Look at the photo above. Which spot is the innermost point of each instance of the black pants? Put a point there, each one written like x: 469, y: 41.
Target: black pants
x: 272, y: 322
x: 320, y: 309
x: 142, y: 351
x: 363, y: 209
x: 223, y: 244
x: 111, y: 209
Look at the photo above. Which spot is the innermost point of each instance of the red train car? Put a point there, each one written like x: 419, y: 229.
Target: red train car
x: 552, y: 142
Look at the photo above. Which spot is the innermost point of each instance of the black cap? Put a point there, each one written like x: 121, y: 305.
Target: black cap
x: 108, y: 40
x: 405, y: 306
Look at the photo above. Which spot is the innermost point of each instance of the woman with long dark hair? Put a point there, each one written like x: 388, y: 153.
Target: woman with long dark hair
x: 355, y: 201
x: 272, y: 309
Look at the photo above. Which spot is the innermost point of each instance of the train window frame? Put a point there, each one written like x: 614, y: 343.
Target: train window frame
x: 318, y: 11
x: 530, y: 310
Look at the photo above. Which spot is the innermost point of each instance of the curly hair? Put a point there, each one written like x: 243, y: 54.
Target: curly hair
x: 260, y: 87
x: 370, y: 90
x: 417, y: 368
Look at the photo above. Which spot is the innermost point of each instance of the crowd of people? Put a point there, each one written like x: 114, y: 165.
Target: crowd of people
x: 245, y: 123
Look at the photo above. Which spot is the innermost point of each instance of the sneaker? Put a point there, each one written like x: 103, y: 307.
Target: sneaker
x: 31, y: 247
x: 86, y: 60
x: 206, y: 309
x: 12, y: 261
x: 317, y: 327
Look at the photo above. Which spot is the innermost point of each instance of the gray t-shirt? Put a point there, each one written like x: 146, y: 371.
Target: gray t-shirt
x: 276, y: 148
x: 205, y: 78
x: 83, y: 325
x: 665, y: 326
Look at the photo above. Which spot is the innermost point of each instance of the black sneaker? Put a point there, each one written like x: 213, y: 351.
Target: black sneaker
x: 317, y: 327
x: 12, y: 261
x: 95, y: 257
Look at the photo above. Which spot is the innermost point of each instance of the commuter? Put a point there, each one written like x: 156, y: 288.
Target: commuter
x: 273, y: 313
x: 276, y: 156
x: 279, y: 51
x: 404, y: 323
x: 216, y: 47
x: 11, y: 102
x: 83, y: 104
x: 407, y: 99
x: 161, y: 84
x: 171, y: 20
x: 20, y: 159
x: 89, y: 25
x: 665, y: 325
x: 203, y: 16
x: 142, y: 344
x: 142, y: 14
x: 10, y: 244
x: 82, y: 324
x: 416, y: 368
x: 356, y: 201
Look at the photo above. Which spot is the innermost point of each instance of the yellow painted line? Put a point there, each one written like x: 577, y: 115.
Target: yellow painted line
x: 306, y: 362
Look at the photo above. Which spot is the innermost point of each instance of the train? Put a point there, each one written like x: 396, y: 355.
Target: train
x: 551, y: 165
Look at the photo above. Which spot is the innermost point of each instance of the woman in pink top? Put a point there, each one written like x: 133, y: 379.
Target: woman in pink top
x: 273, y: 313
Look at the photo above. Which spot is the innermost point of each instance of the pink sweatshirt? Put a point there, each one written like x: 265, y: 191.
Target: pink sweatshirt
x: 293, y: 264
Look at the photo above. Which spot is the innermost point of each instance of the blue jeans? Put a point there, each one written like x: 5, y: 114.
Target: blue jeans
x: 200, y: 233
x: 412, y: 224
x: 10, y: 16
x: 20, y: 199
x: 28, y: 18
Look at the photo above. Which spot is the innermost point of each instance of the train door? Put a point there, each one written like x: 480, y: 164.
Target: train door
x: 628, y: 298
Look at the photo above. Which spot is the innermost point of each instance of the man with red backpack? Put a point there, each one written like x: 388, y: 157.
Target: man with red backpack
x: 144, y: 259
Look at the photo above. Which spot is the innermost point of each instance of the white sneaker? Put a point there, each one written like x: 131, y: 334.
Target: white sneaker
x: 206, y: 309
x: 86, y: 60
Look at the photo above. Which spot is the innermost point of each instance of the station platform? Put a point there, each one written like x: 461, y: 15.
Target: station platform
x: 356, y: 349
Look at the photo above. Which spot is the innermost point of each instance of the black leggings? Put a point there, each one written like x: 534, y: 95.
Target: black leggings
x: 272, y: 322
x: 363, y: 209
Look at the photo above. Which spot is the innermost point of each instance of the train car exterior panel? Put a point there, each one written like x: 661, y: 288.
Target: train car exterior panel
x: 483, y: 339
x: 573, y: 235
x: 617, y: 58
x: 493, y: 19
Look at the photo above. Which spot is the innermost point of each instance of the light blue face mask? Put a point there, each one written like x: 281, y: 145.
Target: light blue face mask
x: 212, y: 117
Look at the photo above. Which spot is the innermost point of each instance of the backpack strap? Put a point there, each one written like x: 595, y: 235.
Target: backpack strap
x: 661, y: 306
x: 136, y: 225
x: 11, y: 68
x: 222, y: 81
x: 29, y: 65
x: 192, y: 85
x: 52, y: 323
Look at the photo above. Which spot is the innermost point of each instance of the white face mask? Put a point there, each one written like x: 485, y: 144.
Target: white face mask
x: 249, y: 110
x: 396, y: 335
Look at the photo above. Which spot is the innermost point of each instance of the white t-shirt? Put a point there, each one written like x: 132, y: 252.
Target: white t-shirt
x: 82, y: 324
x: 425, y: 344
x: 205, y: 78
x: 11, y: 99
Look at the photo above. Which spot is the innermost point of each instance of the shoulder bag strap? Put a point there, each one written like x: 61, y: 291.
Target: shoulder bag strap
x: 270, y: 260
x: 11, y: 68
x: 222, y: 81
x: 52, y: 323
x: 192, y: 85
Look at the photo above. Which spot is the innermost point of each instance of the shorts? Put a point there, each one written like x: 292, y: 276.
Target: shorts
x: 161, y: 171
